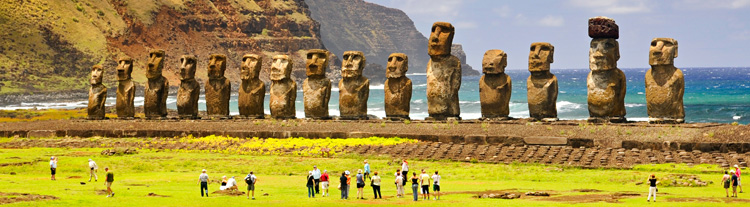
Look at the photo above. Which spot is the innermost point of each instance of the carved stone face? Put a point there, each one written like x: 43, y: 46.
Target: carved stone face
x: 251, y: 65
x: 540, y: 56
x: 155, y: 64
x: 662, y: 51
x: 398, y: 64
x: 281, y: 68
x: 187, y: 68
x: 317, y: 62
x: 494, y: 62
x: 124, y: 68
x: 441, y: 39
x: 603, y: 54
x: 96, y: 75
x: 353, y: 64
x: 217, y: 64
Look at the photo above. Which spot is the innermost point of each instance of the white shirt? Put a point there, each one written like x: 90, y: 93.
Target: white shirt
x: 53, y: 164
x: 404, y: 167
x: 399, y: 180
x: 92, y: 164
x: 203, y: 177
x: 436, y: 179
x: 316, y: 174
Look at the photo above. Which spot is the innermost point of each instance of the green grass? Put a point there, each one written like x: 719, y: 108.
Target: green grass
x: 175, y: 174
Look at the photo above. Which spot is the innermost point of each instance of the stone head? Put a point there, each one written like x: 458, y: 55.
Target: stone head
x: 97, y: 71
x: 155, y: 64
x: 541, y: 55
x: 663, y: 51
x: 317, y: 62
x: 603, y: 54
x: 494, y: 62
x: 441, y: 39
x: 251, y: 64
x: 217, y: 64
x: 187, y: 67
x: 353, y: 64
x: 281, y: 68
x: 398, y: 64
x: 124, y: 68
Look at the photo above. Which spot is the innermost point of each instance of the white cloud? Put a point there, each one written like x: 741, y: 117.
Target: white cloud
x: 614, y: 6
x: 714, y: 4
x: 503, y: 11
x: 466, y: 25
x: 552, y: 21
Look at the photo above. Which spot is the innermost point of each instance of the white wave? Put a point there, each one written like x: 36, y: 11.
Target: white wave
x: 637, y: 118
x: 563, y: 92
x: 640, y: 93
x: 377, y: 87
x: 736, y: 117
x: 422, y: 74
x: 334, y: 89
x: 567, y: 106
x: 421, y: 85
x: 468, y: 102
x: 631, y: 105
x: 418, y: 101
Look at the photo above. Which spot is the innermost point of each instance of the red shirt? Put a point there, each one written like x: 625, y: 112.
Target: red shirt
x: 324, y: 177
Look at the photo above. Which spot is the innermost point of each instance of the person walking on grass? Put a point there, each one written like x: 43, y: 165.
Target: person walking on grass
x: 405, y: 170
x: 108, y: 182
x: 735, y: 183
x: 92, y: 170
x: 375, y: 180
x: 726, y: 181
x: 53, y: 166
x: 739, y: 176
x: 324, y: 183
x: 251, y: 179
x: 310, y: 185
x: 342, y: 180
x: 436, y: 185
x: 415, y: 186
x: 316, y: 176
x: 399, y: 184
x: 203, y: 180
x: 367, y: 170
x: 360, y: 184
x: 651, y: 188
x: 424, y: 180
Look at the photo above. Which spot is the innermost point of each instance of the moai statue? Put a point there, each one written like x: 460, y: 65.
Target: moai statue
x: 283, y: 88
x: 665, y: 84
x: 125, y: 89
x: 97, y: 94
x: 397, y: 87
x: 495, y: 86
x: 252, y: 89
x: 443, y: 74
x: 189, y: 91
x: 317, y: 88
x: 354, y: 89
x: 541, y: 86
x: 606, y: 83
x: 157, y: 87
x: 218, y: 87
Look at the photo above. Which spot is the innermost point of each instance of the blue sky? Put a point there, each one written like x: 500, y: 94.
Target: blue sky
x: 710, y: 33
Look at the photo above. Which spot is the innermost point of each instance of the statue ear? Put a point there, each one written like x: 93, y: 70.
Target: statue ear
x: 552, y: 54
x: 675, y: 49
x: 617, y: 50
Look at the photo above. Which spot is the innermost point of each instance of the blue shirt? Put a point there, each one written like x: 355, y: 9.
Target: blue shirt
x: 367, y: 167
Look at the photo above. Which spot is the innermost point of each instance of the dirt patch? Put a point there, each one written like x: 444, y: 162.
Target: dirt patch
x: 74, y: 177
x: 592, y: 198
x: 229, y: 192
x: 156, y: 195
x: 13, y: 158
x: 15, y: 164
x: 135, y: 184
x: 7, y: 198
x: 691, y: 200
x: 586, y: 190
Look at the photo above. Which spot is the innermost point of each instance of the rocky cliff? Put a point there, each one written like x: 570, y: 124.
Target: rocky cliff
x: 466, y: 69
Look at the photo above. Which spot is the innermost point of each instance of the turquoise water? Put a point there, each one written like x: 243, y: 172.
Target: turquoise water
x: 711, y: 95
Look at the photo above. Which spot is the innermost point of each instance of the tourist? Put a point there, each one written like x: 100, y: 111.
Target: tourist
x: 367, y: 170
x: 348, y: 183
x: 424, y: 180
x: 223, y: 183
x: 342, y: 180
x: 316, y: 176
x: 203, y: 180
x: 399, y: 184
x: 108, y: 182
x: 92, y: 170
x: 415, y: 185
x: 436, y: 185
x: 360, y: 184
x: 324, y: 183
x: 375, y: 180
x: 726, y: 181
x: 53, y: 166
x: 405, y: 170
x: 231, y: 184
x: 251, y: 179
x: 739, y: 176
x: 310, y: 185
x: 651, y: 188
x: 735, y: 183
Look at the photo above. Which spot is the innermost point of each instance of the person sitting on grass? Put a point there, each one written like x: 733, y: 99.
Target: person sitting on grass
x: 726, y: 181
x: 223, y: 183
x: 250, y: 180
x: 108, y: 182
x: 231, y: 184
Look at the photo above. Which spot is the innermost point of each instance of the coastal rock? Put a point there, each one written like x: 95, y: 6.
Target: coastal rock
x: 218, y: 87
x: 466, y: 69
x: 443, y: 74
x: 397, y: 87
x: 317, y: 87
x: 125, y: 88
x: 354, y: 89
x: 665, y: 84
x: 606, y: 83
x: 495, y: 86
x: 283, y: 88
x: 157, y: 87
x: 97, y: 94
x: 252, y: 91
x: 541, y: 86
x: 189, y: 91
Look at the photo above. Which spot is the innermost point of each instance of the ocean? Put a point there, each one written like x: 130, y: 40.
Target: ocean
x: 720, y: 95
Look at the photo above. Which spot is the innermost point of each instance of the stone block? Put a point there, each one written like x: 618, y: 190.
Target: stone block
x: 42, y: 133
x: 536, y: 140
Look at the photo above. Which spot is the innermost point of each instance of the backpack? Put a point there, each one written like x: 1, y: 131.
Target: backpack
x: 249, y: 180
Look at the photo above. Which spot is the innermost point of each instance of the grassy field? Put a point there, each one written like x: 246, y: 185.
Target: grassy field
x: 175, y: 175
